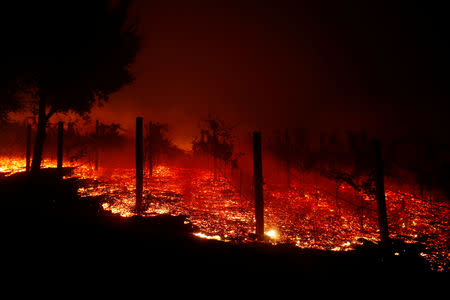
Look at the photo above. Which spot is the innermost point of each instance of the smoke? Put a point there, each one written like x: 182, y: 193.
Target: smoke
x: 323, y: 67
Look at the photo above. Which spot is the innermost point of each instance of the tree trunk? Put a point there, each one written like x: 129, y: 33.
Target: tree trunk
x: 40, y: 137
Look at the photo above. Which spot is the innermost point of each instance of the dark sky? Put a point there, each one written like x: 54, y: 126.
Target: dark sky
x: 262, y: 65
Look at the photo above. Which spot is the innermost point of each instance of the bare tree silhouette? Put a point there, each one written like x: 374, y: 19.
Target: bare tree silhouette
x: 69, y: 56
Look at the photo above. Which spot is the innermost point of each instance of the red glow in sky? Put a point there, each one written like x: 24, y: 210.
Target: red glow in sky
x: 325, y: 66
x: 263, y: 67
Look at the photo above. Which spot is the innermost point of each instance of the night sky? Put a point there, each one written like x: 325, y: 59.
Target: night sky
x: 331, y: 65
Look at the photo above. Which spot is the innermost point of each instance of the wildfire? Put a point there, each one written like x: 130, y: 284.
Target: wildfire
x: 305, y: 215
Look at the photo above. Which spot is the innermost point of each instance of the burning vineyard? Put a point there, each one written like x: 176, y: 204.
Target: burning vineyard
x: 314, y: 212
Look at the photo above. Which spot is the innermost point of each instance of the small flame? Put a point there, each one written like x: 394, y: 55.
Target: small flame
x: 273, y: 234
x: 209, y: 237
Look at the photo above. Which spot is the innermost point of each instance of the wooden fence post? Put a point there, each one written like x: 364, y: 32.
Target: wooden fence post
x: 97, y: 132
x: 28, y: 154
x: 258, y: 184
x: 139, y: 164
x: 150, y: 148
x: 380, y: 197
x: 59, y: 153
x: 288, y: 160
x: 215, y: 152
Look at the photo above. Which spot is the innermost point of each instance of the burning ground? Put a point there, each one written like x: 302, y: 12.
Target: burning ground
x: 312, y: 213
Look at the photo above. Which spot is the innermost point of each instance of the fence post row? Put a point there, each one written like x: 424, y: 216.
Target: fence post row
x: 257, y: 174
x: 258, y: 178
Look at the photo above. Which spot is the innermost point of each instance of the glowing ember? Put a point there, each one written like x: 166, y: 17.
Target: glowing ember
x: 204, y: 236
x: 273, y: 234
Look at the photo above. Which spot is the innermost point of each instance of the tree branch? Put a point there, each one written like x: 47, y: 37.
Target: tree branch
x: 51, y: 113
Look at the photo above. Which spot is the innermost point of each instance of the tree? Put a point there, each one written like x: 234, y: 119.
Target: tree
x: 216, y: 141
x: 158, y: 143
x: 7, y: 103
x: 69, y: 55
